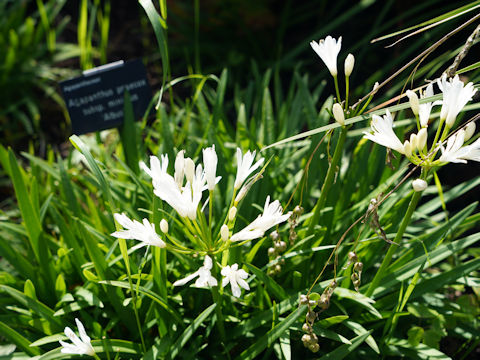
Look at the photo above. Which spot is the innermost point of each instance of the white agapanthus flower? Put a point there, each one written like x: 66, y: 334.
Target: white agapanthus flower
x: 144, y: 232
x: 236, y: 278
x: 210, y: 161
x: 79, y: 346
x: 245, y: 167
x: 205, y: 278
x: 383, y: 133
x: 272, y: 215
x: 455, y: 96
x: 184, y: 199
x: 328, y: 50
x: 457, y: 153
x: 426, y: 108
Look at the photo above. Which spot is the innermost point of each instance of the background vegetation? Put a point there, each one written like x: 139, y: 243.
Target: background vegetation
x: 249, y: 79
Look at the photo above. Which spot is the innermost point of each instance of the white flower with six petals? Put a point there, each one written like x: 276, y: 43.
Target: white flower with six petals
x: 236, y: 278
x: 272, y: 215
x: 383, y: 133
x: 79, y: 346
x: 144, y: 232
x: 205, y: 278
x: 245, y: 167
x: 328, y: 50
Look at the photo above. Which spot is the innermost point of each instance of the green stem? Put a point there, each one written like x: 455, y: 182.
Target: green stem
x: 217, y: 299
x: 339, y: 100
x: 382, y: 271
x: 328, y: 181
x: 437, y: 134
x: 347, y: 88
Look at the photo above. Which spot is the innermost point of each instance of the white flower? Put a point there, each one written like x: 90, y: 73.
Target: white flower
x: 135, y: 230
x: 235, y: 277
x: 425, y: 109
x: 455, y: 97
x: 457, y: 153
x: 80, y: 346
x: 383, y: 133
x: 185, y: 199
x: 272, y: 215
x: 210, y: 163
x: 419, y: 185
x: 328, y: 50
x: 245, y: 167
x: 205, y: 278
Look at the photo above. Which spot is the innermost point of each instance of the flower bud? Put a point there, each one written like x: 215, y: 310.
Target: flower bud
x: 413, y: 142
x: 241, y: 194
x: 413, y: 99
x: 419, y: 185
x: 469, y: 130
x: 375, y: 86
x: 224, y: 232
x: 179, y: 167
x: 422, y: 138
x: 407, y: 148
x: 338, y: 114
x: 232, y: 213
x: 164, y: 226
x: 189, y: 170
x: 349, y: 63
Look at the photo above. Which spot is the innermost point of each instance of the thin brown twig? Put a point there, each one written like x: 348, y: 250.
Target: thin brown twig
x: 422, y: 55
x: 461, y: 55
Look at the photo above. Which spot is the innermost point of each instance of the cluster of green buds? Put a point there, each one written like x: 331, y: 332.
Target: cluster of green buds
x: 275, y: 252
x: 293, y: 222
x: 310, y: 340
x: 357, y: 269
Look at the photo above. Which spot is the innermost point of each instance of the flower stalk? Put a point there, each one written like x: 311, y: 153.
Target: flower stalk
x: 382, y: 271
x: 328, y: 181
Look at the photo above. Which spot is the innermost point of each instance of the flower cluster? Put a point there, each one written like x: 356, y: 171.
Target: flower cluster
x: 184, y: 192
x: 80, y: 345
x: 455, y: 96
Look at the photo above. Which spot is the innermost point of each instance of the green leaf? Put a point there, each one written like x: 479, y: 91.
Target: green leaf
x: 18, y: 340
x: 270, y: 337
x: 344, y: 350
x: 189, y: 331
x: 150, y: 294
x: 271, y: 285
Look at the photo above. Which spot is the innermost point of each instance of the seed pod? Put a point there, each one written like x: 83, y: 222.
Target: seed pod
x: 271, y: 252
x: 303, y: 299
x: 314, y: 347
x: 274, y: 235
x: 352, y: 256
x: 311, y: 316
x: 306, y: 327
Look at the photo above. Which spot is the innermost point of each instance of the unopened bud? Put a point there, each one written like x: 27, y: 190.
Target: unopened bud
x: 413, y: 99
x: 338, y: 114
x: 232, y: 213
x: 224, y: 232
x: 241, y: 194
x: 349, y: 63
x: 469, y: 131
x: 189, y: 170
x: 375, y: 86
x: 164, y: 226
x: 422, y: 138
x: 419, y: 185
x: 413, y: 142
x: 407, y: 148
x: 271, y: 252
